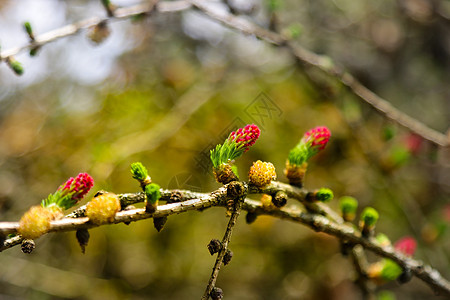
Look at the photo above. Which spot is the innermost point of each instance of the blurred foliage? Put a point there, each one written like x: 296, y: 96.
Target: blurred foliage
x: 179, y: 92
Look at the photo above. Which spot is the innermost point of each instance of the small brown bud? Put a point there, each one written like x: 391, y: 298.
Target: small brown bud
x: 28, y: 246
x: 99, y: 33
x: 295, y: 174
x: 159, y: 223
x: 405, y: 276
x: 224, y: 174
x: 82, y: 238
x: 228, y: 256
x: 250, y: 217
x: 280, y: 199
x: 216, y: 293
x: 214, y: 246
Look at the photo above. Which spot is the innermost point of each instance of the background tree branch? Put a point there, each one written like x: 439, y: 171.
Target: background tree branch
x: 310, y: 59
x: 307, y: 58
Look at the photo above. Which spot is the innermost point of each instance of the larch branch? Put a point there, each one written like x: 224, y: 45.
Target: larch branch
x: 199, y: 201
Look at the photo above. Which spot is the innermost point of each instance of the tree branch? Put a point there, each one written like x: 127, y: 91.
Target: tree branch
x: 324, y: 63
x: 360, y: 263
x: 200, y: 201
x: 119, y: 14
x: 320, y: 223
x: 225, y: 241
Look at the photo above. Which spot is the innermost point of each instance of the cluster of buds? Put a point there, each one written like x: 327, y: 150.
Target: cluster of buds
x: 262, y: 173
x: 368, y: 221
x: 103, y: 208
x: 36, y: 221
x: 348, y: 206
x: 312, y: 142
x: 223, y: 156
x: 387, y: 270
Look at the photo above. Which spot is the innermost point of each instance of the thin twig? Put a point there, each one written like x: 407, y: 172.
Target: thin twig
x: 225, y: 241
x: 360, y: 263
x: 77, y: 220
x: 298, y: 194
x: 324, y: 63
x: 119, y: 14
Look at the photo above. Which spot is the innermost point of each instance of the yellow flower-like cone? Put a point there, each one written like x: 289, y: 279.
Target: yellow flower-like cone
x: 103, y: 208
x: 262, y: 173
x: 36, y: 221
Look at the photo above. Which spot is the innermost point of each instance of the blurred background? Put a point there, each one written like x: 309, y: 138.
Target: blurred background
x: 164, y: 90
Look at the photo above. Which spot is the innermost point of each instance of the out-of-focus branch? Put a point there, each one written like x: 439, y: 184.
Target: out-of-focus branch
x: 306, y: 57
x: 324, y: 63
x: 186, y: 106
x: 200, y: 201
x: 359, y: 260
x: 119, y: 14
x: 320, y: 223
